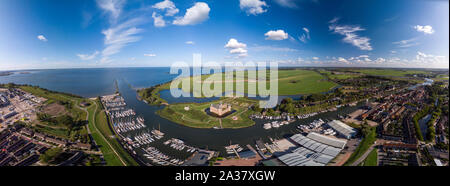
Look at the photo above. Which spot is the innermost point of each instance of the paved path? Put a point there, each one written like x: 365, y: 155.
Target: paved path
x: 363, y: 157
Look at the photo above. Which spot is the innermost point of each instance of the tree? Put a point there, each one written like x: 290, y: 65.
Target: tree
x: 50, y: 155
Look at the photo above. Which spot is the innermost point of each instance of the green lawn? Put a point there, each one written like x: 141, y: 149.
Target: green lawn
x: 371, y: 159
x: 196, y: 116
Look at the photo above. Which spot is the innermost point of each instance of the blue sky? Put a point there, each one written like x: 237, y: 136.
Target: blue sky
x: 129, y: 33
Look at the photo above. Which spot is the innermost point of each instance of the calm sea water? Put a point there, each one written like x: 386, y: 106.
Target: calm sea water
x: 97, y: 82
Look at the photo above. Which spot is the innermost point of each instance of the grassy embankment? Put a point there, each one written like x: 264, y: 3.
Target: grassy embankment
x: 112, y: 151
x: 371, y: 159
x: 367, y: 141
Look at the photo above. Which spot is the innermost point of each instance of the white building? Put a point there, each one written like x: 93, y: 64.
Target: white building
x: 342, y: 129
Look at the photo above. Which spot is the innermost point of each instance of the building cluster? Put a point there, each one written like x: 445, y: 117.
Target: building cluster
x: 53, y: 141
x: 16, y: 104
x: 19, y: 150
x: 312, y: 150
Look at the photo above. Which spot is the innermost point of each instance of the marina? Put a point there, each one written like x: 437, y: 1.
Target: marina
x: 139, y: 139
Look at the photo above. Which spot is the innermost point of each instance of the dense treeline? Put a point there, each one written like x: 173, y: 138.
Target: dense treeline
x: 419, y: 115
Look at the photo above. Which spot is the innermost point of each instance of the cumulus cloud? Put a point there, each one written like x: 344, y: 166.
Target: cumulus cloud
x: 113, y: 7
x: 429, y: 60
x: 363, y: 43
x: 427, y: 29
x: 253, y: 7
x: 276, y: 35
x: 86, y: 57
x: 343, y: 60
x: 194, y: 15
x: 305, y: 36
x: 42, y: 38
x: 190, y: 42
x: 158, y: 20
x: 235, y: 47
x: 167, y: 5
x: 315, y: 58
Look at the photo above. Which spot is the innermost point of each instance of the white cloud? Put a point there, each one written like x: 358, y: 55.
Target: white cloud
x: 85, y: 57
x: 363, y: 43
x: 194, y: 15
x: 42, y: 38
x: 334, y: 20
x: 233, y: 43
x: 427, y: 29
x: 429, y: 60
x: 315, y: 58
x: 119, y: 36
x: 343, y: 60
x: 190, y: 42
x: 276, y: 35
x: 235, y: 47
x: 253, y: 7
x: 169, y: 5
x: 305, y: 36
x: 406, y: 43
x: 150, y: 55
x: 287, y: 3
x: 363, y: 56
x: 272, y: 48
x: 158, y: 20
x: 238, y: 51
x: 113, y: 7
x: 380, y: 60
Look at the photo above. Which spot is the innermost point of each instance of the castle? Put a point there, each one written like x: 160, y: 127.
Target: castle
x: 220, y: 109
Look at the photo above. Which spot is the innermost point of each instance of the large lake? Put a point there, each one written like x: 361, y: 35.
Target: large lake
x: 97, y: 82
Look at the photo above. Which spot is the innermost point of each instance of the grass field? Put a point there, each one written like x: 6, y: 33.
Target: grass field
x: 371, y: 159
x: 390, y: 72
x: 290, y: 82
x: 196, y: 116
x: 341, y: 75
x: 59, y: 130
